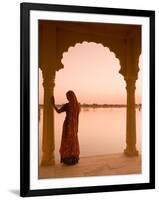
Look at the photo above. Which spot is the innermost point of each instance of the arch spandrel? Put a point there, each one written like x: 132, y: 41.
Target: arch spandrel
x: 47, y: 46
x: 133, y: 51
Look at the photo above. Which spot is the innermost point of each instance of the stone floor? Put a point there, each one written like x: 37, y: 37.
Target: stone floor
x: 103, y: 165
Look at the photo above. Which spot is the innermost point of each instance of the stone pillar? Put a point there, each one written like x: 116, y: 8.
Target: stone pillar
x: 48, y: 143
x: 130, y: 119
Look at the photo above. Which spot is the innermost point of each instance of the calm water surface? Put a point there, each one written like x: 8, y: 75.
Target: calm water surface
x: 101, y: 131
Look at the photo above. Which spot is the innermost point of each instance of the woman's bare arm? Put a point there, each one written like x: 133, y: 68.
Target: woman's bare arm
x: 57, y: 110
x: 53, y: 104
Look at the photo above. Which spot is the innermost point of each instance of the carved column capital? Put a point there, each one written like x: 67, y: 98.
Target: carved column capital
x: 49, y: 84
x: 48, y: 79
x: 130, y: 83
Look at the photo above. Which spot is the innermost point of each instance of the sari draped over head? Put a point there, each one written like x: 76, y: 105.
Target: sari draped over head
x: 69, y: 149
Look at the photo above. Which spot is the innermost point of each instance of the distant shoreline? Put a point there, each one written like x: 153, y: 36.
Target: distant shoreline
x: 84, y: 105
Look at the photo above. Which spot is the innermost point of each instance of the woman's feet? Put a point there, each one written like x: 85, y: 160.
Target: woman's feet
x: 70, y: 161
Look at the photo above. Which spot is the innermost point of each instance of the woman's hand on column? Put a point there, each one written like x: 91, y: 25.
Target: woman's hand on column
x: 52, y: 100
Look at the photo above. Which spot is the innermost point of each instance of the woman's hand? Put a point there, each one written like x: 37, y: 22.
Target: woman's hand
x: 52, y: 100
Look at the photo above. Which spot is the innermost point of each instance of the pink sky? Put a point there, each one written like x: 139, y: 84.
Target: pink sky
x: 91, y: 71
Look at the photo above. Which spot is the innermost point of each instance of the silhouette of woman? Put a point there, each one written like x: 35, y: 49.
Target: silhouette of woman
x: 69, y: 149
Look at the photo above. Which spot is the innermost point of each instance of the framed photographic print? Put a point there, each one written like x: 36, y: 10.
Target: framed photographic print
x: 87, y: 99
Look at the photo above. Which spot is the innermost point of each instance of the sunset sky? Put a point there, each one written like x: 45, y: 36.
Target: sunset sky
x: 91, y: 71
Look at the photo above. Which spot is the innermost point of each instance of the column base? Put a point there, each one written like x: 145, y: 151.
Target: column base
x: 47, y: 160
x: 131, y: 151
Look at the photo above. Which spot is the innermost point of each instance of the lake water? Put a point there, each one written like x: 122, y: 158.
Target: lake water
x: 101, y: 131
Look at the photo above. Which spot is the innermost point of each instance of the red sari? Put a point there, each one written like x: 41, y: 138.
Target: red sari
x: 69, y: 149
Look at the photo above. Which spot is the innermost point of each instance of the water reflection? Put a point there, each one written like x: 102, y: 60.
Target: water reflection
x: 101, y: 131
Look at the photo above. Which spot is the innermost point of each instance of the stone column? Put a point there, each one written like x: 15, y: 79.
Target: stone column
x: 48, y: 143
x: 130, y: 119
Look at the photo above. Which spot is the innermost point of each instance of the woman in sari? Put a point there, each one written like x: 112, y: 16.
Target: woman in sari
x: 69, y: 149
